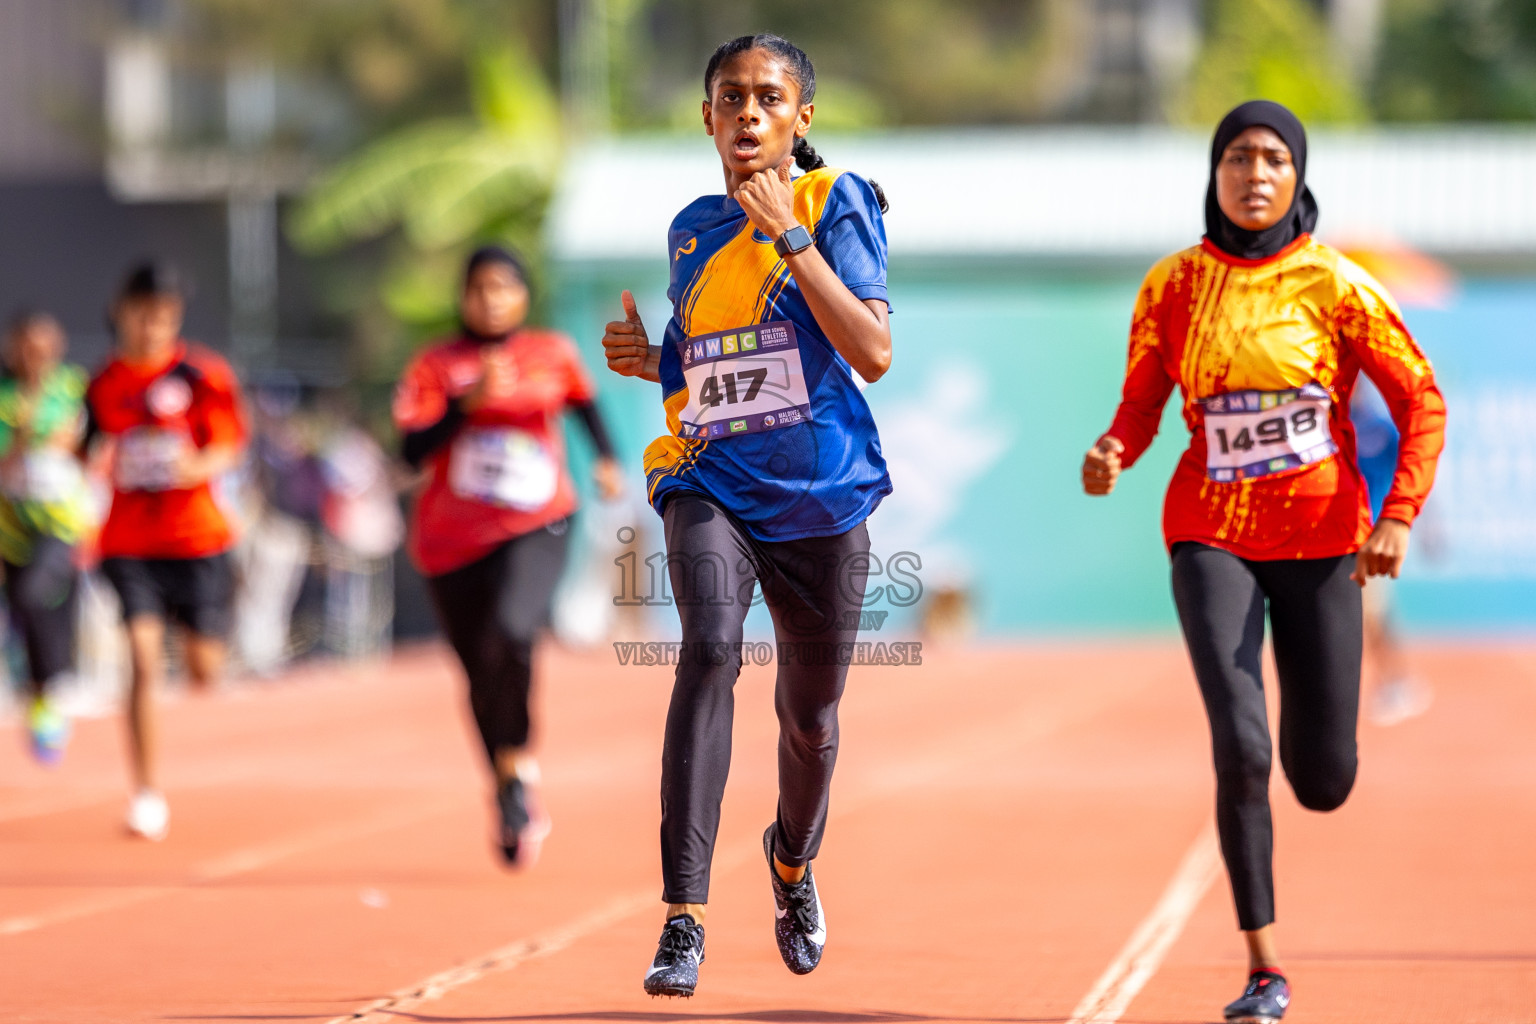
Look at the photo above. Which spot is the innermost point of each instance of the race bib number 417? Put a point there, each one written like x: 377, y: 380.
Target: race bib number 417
x: 743, y: 381
x: 1252, y: 434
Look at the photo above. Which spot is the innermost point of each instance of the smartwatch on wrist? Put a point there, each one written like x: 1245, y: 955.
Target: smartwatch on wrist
x: 796, y: 239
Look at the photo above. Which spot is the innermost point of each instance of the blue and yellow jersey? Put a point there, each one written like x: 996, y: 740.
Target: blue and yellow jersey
x: 807, y: 463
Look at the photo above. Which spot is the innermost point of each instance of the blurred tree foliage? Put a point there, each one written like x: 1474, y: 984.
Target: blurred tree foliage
x: 1447, y: 60
x: 443, y: 183
x: 451, y: 132
x: 453, y: 139
x: 1269, y: 49
x: 391, y: 62
x: 879, y: 63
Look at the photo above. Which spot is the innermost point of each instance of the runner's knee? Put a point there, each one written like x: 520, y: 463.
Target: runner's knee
x: 809, y: 726
x: 1242, y: 773
x: 1321, y: 786
x: 713, y: 626
x: 40, y: 592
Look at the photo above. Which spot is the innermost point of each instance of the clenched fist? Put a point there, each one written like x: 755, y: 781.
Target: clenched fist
x: 768, y: 199
x: 1383, y: 552
x: 498, y: 376
x: 1101, y: 466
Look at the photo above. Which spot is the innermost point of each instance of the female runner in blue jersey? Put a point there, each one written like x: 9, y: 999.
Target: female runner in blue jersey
x: 771, y: 467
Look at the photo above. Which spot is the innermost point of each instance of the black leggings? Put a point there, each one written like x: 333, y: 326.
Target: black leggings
x: 42, y: 598
x: 1314, y: 612
x: 814, y: 589
x: 491, y: 611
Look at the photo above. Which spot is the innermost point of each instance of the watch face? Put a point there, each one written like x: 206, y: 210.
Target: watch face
x: 794, y: 240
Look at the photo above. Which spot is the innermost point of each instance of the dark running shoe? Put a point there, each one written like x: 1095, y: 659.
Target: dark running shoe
x: 801, y: 927
x: 675, y: 971
x: 524, y: 825
x: 1263, y: 1001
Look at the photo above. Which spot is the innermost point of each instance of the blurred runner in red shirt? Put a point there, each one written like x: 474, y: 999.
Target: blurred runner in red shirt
x: 171, y: 413
x: 480, y: 413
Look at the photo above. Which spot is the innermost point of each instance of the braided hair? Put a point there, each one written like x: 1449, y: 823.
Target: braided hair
x: 804, y: 74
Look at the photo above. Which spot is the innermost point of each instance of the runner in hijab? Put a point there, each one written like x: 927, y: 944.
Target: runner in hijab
x: 481, y: 413
x: 1265, y: 331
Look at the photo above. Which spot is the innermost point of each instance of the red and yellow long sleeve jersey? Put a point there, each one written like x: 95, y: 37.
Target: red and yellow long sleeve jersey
x: 1214, y: 324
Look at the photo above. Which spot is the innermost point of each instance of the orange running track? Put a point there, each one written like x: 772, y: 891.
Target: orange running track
x: 1017, y: 835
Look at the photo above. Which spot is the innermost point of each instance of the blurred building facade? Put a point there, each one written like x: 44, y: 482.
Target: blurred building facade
x: 116, y: 147
x: 109, y: 154
x: 64, y: 238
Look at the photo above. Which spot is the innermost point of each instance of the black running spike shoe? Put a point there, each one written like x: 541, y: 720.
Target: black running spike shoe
x: 1263, y: 1001
x: 801, y: 927
x: 524, y: 825
x: 675, y: 971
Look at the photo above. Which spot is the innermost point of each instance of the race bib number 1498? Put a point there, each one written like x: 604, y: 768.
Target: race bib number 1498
x: 743, y: 381
x: 1252, y: 434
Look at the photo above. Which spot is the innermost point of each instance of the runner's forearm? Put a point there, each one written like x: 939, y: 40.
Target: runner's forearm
x: 858, y: 328
x: 593, y: 421
x: 416, y: 446
x: 217, y: 459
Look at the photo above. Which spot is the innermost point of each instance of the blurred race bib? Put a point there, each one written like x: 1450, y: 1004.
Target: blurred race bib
x: 146, y: 459
x: 44, y: 475
x: 503, y: 466
x: 743, y: 381
x: 1253, y: 434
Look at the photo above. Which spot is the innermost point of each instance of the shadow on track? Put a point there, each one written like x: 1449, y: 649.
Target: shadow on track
x: 749, y: 1017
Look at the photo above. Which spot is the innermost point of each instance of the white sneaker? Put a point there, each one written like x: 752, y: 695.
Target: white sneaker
x: 148, y: 815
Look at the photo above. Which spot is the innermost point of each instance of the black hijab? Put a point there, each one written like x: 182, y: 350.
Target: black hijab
x: 492, y: 254
x: 1300, y: 219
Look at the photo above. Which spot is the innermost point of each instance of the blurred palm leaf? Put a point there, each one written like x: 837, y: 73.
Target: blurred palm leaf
x: 443, y: 181
x: 509, y: 92
x: 1270, y: 49
x: 442, y: 184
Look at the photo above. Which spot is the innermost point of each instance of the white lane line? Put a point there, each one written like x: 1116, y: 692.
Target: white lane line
x: 502, y: 959
x: 229, y: 865
x: 973, y: 745
x: 80, y: 908
x: 54, y: 803
x: 252, y: 858
x: 539, y: 946
x: 1143, y: 954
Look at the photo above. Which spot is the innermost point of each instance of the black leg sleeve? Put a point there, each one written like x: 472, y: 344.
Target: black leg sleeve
x: 42, y: 595
x: 492, y: 611
x: 1221, y: 610
x: 711, y: 567
x: 815, y: 590
x: 1315, y: 618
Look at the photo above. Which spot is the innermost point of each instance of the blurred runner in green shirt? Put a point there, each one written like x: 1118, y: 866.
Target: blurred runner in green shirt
x: 44, y: 511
